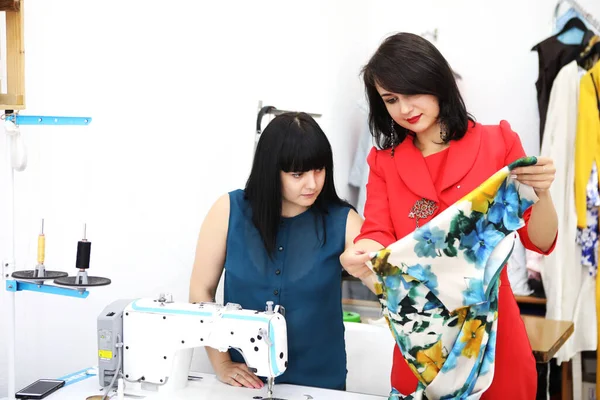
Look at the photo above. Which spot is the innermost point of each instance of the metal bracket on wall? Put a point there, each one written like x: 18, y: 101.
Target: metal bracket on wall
x: 8, y: 267
x: 19, y: 119
x: 18, y: 286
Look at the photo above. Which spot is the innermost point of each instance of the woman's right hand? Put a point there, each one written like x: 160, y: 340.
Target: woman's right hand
x: 355, y: 261
x: 238, y: 374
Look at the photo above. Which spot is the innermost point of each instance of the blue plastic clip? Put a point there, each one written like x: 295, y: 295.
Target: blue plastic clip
x: 77, y: 376
x: 18, y: 119
x: 16, y: 286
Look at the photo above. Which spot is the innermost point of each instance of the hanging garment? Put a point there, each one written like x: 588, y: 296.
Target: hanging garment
x: 439, y: 287
x: 569, y: 292
x: 359, y: 172
x: 534, y: 274
x: 589, y: 56
x: 553, y: 55
x: 587, y: 140
x: 587, y: 237
x: 587, y: 152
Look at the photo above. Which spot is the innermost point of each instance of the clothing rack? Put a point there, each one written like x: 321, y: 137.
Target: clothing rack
x: 433, y: 34
x: 264, y: 110
x: 593, y: 22
x: 594, y: 25
x: 577, y: 7
x: 273, y: 111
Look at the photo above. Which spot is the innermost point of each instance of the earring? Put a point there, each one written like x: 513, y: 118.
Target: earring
x: 443, y: 132
x: 392, y: 136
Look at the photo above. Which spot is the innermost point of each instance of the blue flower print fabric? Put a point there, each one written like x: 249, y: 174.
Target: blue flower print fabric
x: 439, y: 287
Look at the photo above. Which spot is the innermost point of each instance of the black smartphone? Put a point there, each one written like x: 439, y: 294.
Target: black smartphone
x: 40, y: 389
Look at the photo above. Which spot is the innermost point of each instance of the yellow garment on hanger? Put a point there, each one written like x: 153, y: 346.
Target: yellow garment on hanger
x: 587, y: 141
x: 589, y: 63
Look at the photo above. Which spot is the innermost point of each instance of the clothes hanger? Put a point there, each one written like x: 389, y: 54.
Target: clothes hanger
x: 573, y: 23
x: 575, y: 32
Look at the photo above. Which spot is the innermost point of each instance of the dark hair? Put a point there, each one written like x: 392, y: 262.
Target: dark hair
x: 409, y: 64
x: 291, y: 142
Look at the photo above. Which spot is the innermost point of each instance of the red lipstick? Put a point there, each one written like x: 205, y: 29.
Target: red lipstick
x: 414, y: 120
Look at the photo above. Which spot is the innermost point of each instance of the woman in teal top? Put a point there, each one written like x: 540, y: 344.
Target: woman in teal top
x: 280, y: 239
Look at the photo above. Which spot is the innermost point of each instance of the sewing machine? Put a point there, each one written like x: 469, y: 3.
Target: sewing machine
x: 150, y: 342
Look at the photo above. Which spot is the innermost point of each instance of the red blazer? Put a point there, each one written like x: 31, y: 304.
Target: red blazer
x: 395, y: 184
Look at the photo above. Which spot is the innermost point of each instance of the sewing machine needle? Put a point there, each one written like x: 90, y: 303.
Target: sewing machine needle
x: 270, y: 382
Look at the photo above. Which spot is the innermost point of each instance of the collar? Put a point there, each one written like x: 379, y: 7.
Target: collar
x: 412, y: 168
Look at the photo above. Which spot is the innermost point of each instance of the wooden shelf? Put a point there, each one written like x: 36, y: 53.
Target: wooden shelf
x: 11, y: 102
x: 362, y: 303
x: 546, y: 336
x: 530, y: 300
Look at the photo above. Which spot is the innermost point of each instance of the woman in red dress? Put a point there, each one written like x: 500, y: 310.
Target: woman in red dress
x: 431, y: 151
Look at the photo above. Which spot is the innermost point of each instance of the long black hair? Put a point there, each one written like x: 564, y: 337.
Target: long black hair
x: 291, y: 142
x: 408, y: 64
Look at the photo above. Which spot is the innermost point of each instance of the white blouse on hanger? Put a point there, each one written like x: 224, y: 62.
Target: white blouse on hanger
x: 570, y: 291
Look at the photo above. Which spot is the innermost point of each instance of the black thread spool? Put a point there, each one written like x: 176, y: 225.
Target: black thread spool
x: 82, y: 263
x: 84, y: 249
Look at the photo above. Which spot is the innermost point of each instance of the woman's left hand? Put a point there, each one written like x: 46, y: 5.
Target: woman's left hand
x: 539, y: 176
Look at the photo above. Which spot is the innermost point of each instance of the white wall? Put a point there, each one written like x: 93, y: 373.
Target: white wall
x: 173, y: 93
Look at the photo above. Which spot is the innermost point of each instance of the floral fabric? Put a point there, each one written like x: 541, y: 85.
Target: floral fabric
x: 587, y: 237
x: 439, y: 288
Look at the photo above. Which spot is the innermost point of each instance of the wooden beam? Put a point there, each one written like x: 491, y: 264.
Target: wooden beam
x: 15, y: 60
x: 10, y: 5
x: 11, y: 102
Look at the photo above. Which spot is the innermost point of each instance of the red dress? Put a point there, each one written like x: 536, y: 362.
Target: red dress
x: 395, y: 184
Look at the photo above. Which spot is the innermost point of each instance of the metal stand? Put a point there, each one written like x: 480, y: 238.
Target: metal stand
x: 8, y: 265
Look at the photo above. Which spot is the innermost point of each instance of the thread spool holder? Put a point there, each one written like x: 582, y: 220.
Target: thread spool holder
x: 39, y: 275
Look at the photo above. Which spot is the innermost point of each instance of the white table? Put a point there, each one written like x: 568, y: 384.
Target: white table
x: 208, y: 387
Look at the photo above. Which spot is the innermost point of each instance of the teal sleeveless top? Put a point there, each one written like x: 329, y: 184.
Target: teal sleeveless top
x: 304, y: 275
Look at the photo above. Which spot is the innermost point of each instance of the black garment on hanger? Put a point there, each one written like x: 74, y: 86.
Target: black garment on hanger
x: 553, y: 55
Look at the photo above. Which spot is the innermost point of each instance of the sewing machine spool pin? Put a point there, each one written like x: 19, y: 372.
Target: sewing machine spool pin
x: 82, y: 263
x: 39, y: 274
x: 164, y: 298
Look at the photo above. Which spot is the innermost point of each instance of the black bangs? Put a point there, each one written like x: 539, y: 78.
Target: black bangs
x: 291, y: 142
x: 305, y: 149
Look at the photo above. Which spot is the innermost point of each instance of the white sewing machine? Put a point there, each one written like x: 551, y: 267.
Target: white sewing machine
x: 151, y: 342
